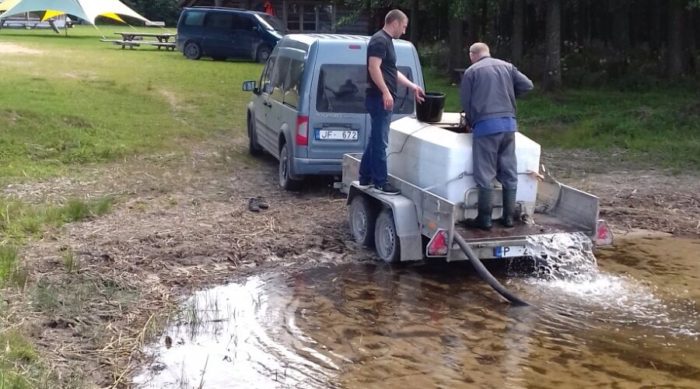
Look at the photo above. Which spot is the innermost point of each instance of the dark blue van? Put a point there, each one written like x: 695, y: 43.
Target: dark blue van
x: 222, y: 33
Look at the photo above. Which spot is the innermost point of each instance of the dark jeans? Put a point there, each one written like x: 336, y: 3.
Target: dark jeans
x: 373, y: 164
x: 494, y: 157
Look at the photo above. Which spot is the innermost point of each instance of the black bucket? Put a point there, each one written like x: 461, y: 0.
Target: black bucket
x: 430, y: 110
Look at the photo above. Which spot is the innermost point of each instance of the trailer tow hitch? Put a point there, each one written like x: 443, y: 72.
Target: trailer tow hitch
x: 486, y: 276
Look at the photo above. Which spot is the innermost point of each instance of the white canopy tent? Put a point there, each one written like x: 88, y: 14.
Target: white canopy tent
x: 87, y: 10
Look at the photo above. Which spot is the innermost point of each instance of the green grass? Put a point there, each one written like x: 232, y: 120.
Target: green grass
x: 8, y: 262
x: 20, y: 355
x: 19, y: 220
x: 79, y: 100
x: 658, y: 127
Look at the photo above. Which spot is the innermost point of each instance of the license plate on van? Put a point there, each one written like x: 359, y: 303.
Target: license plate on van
x: 327, y: 134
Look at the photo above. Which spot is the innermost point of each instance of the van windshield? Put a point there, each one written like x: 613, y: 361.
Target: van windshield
x: 342, y: 89
x: 271, y: 23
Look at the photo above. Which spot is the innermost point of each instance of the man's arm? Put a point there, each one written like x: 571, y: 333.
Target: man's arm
x: 417, y: 90
x: 521, y: 83
x: 375, y: 72
x: 465, y: 95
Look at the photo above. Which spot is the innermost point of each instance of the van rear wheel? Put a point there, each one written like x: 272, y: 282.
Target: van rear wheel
x: 192, y: 50
x: 285, y: 170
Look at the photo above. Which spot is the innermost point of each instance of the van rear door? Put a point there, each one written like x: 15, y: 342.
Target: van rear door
x: 339, y: 124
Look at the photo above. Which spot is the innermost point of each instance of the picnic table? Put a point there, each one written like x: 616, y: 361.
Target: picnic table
x: 133, y: 39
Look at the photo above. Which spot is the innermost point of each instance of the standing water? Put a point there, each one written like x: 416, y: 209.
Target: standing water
x: 631, y: 323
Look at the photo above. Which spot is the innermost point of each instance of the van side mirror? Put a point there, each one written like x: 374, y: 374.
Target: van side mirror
x: 249, y: 86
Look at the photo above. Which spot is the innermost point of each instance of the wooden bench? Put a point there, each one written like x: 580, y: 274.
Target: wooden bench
x: 165, y: 45
x: 136, y: 43
x: 124, y: 44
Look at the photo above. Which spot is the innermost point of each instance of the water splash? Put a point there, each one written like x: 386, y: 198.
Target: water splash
x: 567, y: 279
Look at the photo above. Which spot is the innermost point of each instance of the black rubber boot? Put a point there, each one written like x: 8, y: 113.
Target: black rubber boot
x: 508, y: 207
x: 483, y: 219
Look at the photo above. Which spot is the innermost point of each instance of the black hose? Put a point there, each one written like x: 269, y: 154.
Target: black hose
x: 486, y: 276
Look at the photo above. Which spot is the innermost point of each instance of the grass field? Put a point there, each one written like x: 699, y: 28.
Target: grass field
x: 78, y: 100
x: 70, y: 101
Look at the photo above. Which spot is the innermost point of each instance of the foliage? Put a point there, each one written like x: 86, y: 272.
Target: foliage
x: 659, y: 127
x: 157, y: 10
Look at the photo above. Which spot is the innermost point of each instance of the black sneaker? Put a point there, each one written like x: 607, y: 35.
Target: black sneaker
x: 363, y: 185
x: 253, y: 205
x: 262, y: 202
x: 387, y: 189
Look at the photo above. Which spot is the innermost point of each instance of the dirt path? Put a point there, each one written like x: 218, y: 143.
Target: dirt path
x: 182, y: 223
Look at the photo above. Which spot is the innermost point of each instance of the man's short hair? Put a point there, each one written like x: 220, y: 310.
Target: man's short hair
x: 479, y: 48
x: 394, y: 15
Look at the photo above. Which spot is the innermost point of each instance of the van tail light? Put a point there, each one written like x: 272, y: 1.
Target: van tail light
x: 603, y: 234
x: 302, y: 137
x: 437, y: 247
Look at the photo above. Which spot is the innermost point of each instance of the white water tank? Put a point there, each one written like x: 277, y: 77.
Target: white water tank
x: 433, y: 158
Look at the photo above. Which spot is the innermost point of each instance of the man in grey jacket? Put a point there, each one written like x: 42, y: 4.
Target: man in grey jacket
x: 488, y: 91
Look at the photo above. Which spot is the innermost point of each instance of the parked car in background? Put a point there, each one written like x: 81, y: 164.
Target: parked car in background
x: 222, y: 33
x: 308, y: 108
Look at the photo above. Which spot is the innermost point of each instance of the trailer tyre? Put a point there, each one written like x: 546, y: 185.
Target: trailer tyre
x: 362, y: 219
x: 386, y: 242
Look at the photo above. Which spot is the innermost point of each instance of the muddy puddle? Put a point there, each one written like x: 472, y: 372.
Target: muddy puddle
x: 629, y: 321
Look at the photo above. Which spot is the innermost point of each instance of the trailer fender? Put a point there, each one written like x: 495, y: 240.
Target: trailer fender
x: 405, y: 220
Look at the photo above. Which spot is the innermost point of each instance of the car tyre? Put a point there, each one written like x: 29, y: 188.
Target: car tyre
x: 253, y: 146
x: 285, y: 170
x: 386, y: 241
x: 263, y: 54
x: 362, y: 220
x: 192, y: 50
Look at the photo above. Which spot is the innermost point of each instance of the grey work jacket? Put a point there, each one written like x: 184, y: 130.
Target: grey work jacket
x: 489, y: 88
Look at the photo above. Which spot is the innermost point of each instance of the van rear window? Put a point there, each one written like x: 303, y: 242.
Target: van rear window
x: 342, y: 89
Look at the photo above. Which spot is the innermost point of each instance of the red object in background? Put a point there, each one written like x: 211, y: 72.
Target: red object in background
x: 268, y: 8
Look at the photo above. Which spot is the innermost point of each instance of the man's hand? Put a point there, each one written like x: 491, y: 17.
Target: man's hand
x: 388, y: 101
x: 419, y: 92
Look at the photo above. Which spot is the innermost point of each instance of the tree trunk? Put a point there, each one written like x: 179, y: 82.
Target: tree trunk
x: 414, y: 20
x: 518, y: 30
x: 456, y: 58
x: 621, y: 24
x: 552, y: 76
x: 674, y: 49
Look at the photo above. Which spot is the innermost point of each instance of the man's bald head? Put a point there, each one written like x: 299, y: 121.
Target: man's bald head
x: 478, y: 51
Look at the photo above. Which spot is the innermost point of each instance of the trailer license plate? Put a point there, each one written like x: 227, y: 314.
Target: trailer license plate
x: 508, y: 251
x: 350, y: 135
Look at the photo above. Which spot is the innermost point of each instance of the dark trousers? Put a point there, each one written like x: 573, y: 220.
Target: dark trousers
x: 373, y: 165
x: 494, y: 157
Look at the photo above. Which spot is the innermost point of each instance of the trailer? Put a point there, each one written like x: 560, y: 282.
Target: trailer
x: 418, y: 224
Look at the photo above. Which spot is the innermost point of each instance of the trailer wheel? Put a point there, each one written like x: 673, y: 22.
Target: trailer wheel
x: 362, y: 219
x: 386, y: 241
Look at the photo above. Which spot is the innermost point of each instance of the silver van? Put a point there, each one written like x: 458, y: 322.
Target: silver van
x: 308, y: 108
